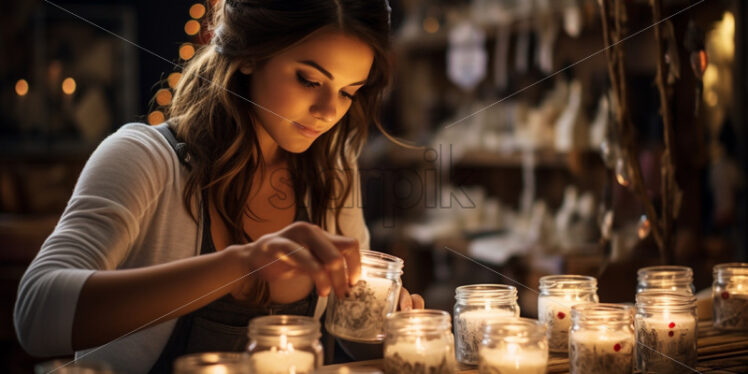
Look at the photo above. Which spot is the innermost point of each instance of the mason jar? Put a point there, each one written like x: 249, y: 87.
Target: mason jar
x: 360, y: 316
x: 284, y: 344
x: 419, y: 341
x: 558, y: 293
x: 665, y: 278
x: 665, y: 325
x: 513, y: 346
x: 475, y: 304
x: 730, y: 296
x: 601, y: 339
x: 212, y: 362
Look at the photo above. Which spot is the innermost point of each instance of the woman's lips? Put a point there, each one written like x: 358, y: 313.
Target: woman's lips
x: 306, y: 131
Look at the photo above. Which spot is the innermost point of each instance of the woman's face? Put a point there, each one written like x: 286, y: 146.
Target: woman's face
x: 310, y: 86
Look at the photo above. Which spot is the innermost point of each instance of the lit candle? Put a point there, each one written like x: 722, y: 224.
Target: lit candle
x: 513, y: 361
x: 469, y: 326
x: 609, y: 352
x: 730, y: 296
x: 555, y: 312
x: 211, y: 363
x: 420, y: 355
x: 665, y: 327
x: 277, y: 361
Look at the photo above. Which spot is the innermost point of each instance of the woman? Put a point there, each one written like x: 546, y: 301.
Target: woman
x: 270, y: 118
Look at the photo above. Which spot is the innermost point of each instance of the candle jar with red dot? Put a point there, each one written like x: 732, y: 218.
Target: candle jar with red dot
x: 601, y: 339
x: 730, y: 296
x: 558, y: 293
x: 665, y: 328
x: 665, y: 278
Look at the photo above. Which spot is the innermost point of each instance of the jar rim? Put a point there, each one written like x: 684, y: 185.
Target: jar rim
x: 657, y: 299
x: 562, y: 281
x: 381, y: 261
x: 731, y: 268
x: 205, y: 359
x: 664, y: 272
x: 515, y: 329
x: 418, y: 319
x: 281, y: 324
x: 485, y: 290
x: 602, y: 312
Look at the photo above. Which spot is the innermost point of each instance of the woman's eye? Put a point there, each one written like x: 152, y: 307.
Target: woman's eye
x: 347, y: 95
x: 305, y: 82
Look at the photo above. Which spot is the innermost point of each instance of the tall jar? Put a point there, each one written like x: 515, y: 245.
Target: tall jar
x: 601, y: 339
x: 284, y: 344
x: 212, y: 362
x: 665, y: 325
x: 419, y: 342
x: 730, y: 296
x: 558, y: 293
x: 665, y: 278
x: 475, y: 304
x: 360, y: 316
x: 514, y: 346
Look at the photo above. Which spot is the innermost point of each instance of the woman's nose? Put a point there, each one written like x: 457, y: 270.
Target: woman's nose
x: 324, y: 108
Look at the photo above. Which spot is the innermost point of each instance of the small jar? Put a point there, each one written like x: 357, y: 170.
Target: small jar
x: 558, y: 293
x: 665, y: 325
x: 475, y: 304
x: 360, y: 316
x: 514, y: 346
x: 665, y: 278
x: 419, y: 342
x: 601, y: 339
x: 284, y: 344
x: 730, y: 296
x: 212, y: 362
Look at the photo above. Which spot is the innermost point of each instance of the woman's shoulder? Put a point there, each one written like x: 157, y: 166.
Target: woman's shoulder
x: 136, y: 142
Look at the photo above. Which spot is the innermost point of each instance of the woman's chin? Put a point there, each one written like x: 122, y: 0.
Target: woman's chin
x: 297, y: 146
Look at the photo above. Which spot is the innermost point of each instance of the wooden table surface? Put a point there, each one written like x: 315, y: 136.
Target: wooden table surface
x: 719, y: 352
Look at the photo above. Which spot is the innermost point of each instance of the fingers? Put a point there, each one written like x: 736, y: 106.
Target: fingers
x: 296, y: 256
x: 418, y: 301
x: 406, y: 302
x: 350, y: 249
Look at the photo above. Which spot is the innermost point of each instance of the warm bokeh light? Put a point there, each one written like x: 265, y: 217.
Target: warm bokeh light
x: 22, y: 87
x: 186, y: 51
x: 197, y: 11
x: 430, y: 25
x: 192, y: 27
x: 68, y: 86
x: 156, y: 117
x: 163, y: 97
x: 173, y: 79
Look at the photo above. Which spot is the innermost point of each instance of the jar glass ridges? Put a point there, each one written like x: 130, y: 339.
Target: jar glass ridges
x: 665, y: 326
x: 558, y: 293
x: 475, y: 305
x: 514, y: 346
x: 360, y: 316
x: 601, y: 339
x: 281, y: 344
x: 730, y: 296
x: 665, y: 278
x: 419, y: 342
x: 212, y: 362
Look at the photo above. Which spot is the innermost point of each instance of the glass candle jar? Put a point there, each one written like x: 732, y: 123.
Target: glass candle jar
x: 730, y: 296
x: 513, y: 346
x: 665, y: 278
x: 419, y: 342
x: 601, y: 339
x: 558, y: 293
x: 360, y: 316
x: 212, y: 362
x: 283, y: 344
x: 475, y: 304
x: 665, y: 325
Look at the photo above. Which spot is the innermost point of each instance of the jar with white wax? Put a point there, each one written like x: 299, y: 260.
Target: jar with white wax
x: 419, y: 342
x: 284, y: 344
x: 475, y: 305
x: 558, y: 293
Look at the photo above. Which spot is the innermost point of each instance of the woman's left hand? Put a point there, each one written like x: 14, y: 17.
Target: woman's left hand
x: 408, y: 301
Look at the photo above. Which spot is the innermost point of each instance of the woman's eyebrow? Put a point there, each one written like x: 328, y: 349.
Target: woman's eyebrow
x: 327, y: 73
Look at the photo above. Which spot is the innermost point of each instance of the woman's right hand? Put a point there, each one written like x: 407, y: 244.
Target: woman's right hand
x: 332, y: 261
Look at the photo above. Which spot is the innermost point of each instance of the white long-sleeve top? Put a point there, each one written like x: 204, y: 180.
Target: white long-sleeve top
x: 126, y: 211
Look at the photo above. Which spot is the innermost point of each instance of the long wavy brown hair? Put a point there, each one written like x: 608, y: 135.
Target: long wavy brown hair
x: 210, y: 115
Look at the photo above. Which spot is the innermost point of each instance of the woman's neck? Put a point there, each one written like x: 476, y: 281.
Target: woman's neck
x: 271, y: 152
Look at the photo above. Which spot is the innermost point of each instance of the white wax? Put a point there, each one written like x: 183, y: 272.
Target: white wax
x: 555, y: 312
x: 605, y: 342
x: 469, y: 329
x: 682, y: 325
x: 430, y: 353
x: 673, y: 335
x: 282, y: 362
x: 517, y: 361
x: 380, y: 286
x: 361, y: 316
x: 601, y: 351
